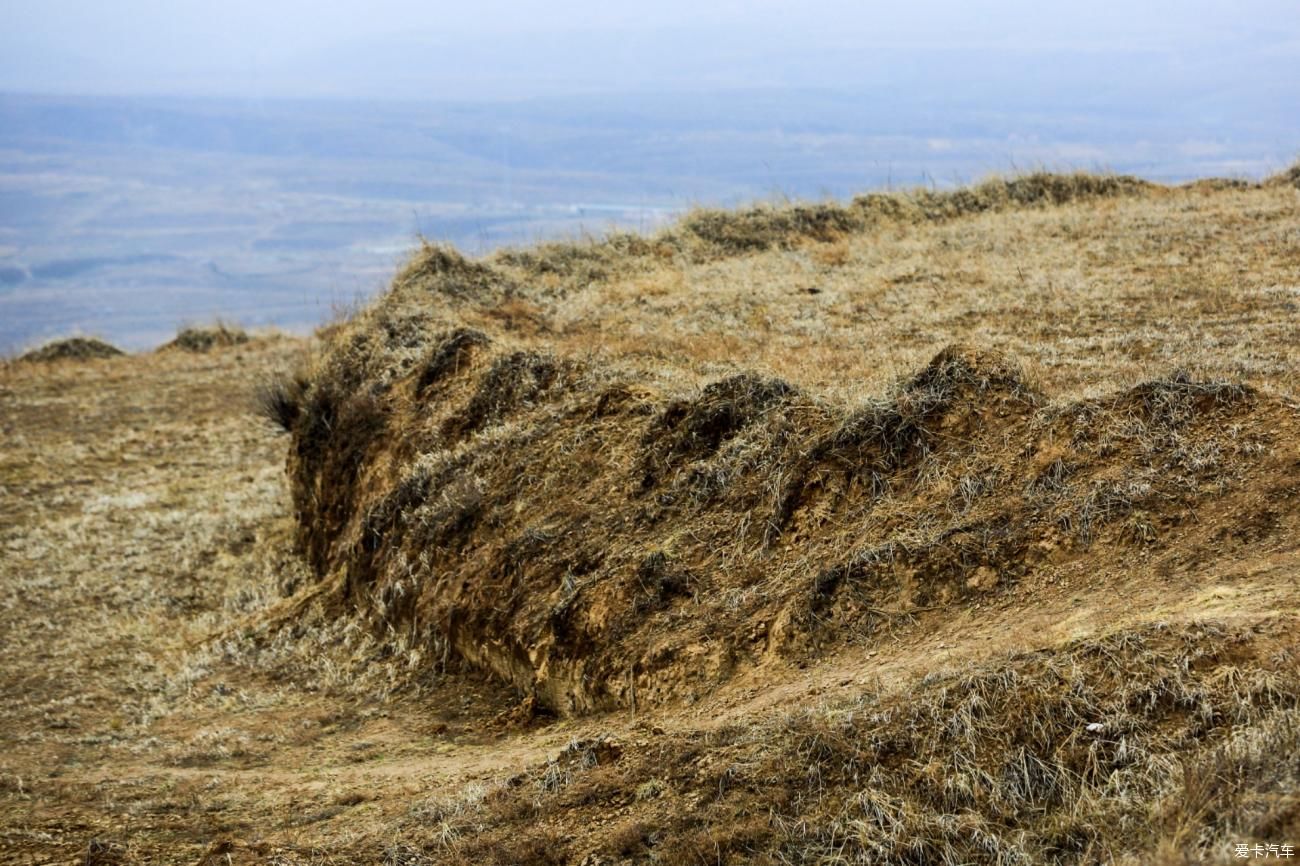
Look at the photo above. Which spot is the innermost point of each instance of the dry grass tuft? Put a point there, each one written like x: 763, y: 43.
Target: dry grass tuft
x: 206, y: 338
x: 1290, y: 177
x: 450, y: 354
x: 442, y: 270
x: 279, y: 399
x: 71, y: 349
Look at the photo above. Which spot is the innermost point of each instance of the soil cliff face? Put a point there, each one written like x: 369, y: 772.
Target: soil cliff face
x: 601, y: 532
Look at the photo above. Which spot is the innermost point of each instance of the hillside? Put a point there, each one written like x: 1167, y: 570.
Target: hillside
x: 932, y: 527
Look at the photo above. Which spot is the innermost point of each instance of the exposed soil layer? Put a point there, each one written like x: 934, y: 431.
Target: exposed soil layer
x: 604, y: 533
x: 598, y: 543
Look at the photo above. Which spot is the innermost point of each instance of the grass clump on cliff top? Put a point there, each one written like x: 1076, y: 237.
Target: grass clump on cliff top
x: 200, y: 339
x: 71, y: 349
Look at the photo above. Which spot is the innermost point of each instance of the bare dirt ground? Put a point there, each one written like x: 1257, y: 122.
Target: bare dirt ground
x: 175, y: 686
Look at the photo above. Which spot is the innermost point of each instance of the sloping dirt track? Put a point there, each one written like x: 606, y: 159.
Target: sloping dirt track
x: 921, y: 530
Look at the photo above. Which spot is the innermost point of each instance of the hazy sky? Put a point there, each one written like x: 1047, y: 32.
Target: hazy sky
x: 492, y: 48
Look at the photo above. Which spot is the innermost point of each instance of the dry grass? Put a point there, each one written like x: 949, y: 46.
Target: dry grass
x: 207, y: 338
x: 72, y: 348
x: 474, y: 479
x: 1091, y: 295
x: 928, y: 528
x: 1159, y: 740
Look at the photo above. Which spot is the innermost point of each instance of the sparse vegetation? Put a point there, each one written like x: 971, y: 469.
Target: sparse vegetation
x: 911, y: 501
x: 207, y: 338
x: 1290, y: 177
x: 71, y: 349
x: 278, y: 399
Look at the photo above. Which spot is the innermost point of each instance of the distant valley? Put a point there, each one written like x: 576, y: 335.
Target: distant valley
x: 126, y: 217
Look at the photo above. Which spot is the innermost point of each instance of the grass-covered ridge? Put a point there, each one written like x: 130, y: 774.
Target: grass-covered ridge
x: 489, y: 460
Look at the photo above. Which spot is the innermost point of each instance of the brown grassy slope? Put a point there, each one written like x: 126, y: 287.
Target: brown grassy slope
x: 1151, y: 745
x: 144, y: 531
x: 1100, y: 293
x: 174, y: 681
x: 130, y: 490
x: 520, y: 462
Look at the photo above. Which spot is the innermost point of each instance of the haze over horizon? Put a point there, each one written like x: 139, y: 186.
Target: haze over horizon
x: 399, y: 49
